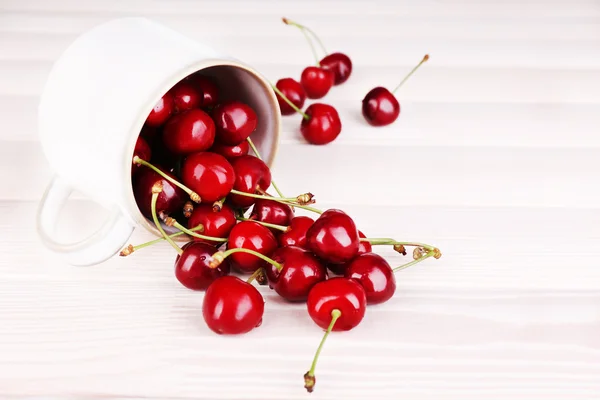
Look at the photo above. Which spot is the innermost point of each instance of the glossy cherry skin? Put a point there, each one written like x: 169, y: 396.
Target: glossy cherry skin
x: 230, y: 152
x: 363, y: 247
x: 192, y: 268
x: 143, y: 151
x: 235, y: 121
x: 215, y: 223
x: 323, y: 125
x: 189, y: 132
x: 380, y: 107
x: 162, y: 111
x: 170, y: 200
x: 253, y: 236
x: 186, y: 96
x: 250, y: 173
x: 232, y: 306
x: 338, y: 63
x: 375, y: 276
x: 333, y: 237
x: 296, y: 232
x: 301, y: 271
x: 272, y: 212
x: 208, y: 88
x: 316, y: 82
x: 342, y: 294
x: 294, y: 92
x: 208, y: 174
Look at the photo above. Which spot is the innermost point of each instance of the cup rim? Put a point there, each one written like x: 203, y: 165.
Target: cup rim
x: 172, y: 80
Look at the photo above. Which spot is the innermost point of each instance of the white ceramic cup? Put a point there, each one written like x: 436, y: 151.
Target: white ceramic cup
x: 94, y: 104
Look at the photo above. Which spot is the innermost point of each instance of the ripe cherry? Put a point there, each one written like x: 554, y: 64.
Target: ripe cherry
x: 375, y: 276
x: 363, y: 247
x: 337, y: 304
x: 143, y: 151
x: 380, y: 107
x: 189, y: 132
x: 208, y: 88
x: 296, y: 232
x: 295, y: 93
x: 186, y: 96
x: 316, y: 81
x: 230, y: 152
x: 251, y: 174
x: 300, y: 271
x: 323, y: 124
x: 208, y: 174
x: 162, y: 111
x: 215, y: 223
x: 338, y: 63
x: 333, y: 237
x: 234, y: 121
x: 232, y: 306
x: 272, y: 212
x: 170, y: 199
x: 192, y: 267
x: 253, y: 236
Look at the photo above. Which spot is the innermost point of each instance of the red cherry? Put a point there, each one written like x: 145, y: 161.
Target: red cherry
x: 250, y: 173
x: 253, y: 236
x: 192, y: 266
x: 170, y: 200
x: 375, y: 276
x: 323, y: 125
x: 316, y: 81
x: 208, y: 88
x: 300, y: 272
x: 161, y: 111
x: 230, y: 152
x: 215, y: 223
x: 342, y: 294
x: 338, y: 63
x: 232, y: 306
x: 142, y: 150
x: 296, y: 232
x: 380, y: 107
x: 189, y: 132
x: 186, y: 96
x: 333, y: 237
x: 363, y: 247
x: 208, y: 174
x: 295, y: 93
x: 234, y: 121
x: 272, y: 212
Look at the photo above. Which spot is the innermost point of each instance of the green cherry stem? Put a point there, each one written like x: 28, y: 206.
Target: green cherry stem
x: 431, y: 253
x: 255, y: 275
x: 411, y: 72
x: 303, y: 27
x: 315, y: 210
x: 298, y: 200
x: 219, y: 256
x: 299, y: 111
x: 257, y: 154
x: 131, y: 248
x: 267, y: 224
x: 169, y: 221
x: 392, y: 242
x: 193, y: 195
x: 156, y: 190
x: 309, y: 377
x: 305, y: 31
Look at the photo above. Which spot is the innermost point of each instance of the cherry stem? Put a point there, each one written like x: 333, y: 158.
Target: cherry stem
x: 254, y: 253
x: 392, y: 242
x: 411, y: 72
x: 194, y: 234
x: 283, y: 96
x: 130, y: 248
x: 193, y: 195
x: 431, y: 253
x: 255, y: 275
x: 285, y: 200
x: 156, y: 189
x: 267, y: 224
x: 315, y: 210
x: 257, y: 154
x: 303, y: 27
x: 309, y: 377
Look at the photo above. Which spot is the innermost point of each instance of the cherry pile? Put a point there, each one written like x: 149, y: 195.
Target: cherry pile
x: 321, y: 122
x: 192, y: 172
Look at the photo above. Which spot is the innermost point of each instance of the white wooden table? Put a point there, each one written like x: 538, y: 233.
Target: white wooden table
x: 495, y: 158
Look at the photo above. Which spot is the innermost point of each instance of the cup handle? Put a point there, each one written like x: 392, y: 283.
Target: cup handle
x: 98, y: 247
